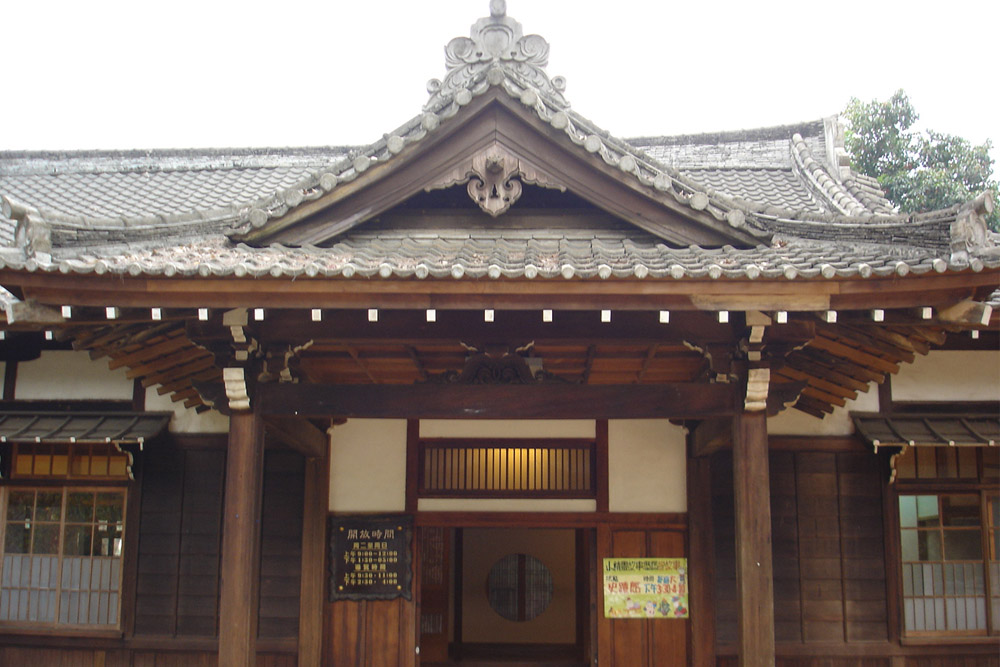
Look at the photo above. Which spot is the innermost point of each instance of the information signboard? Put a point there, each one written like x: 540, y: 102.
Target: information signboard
x: 370, y: 557
x: 654, y: 588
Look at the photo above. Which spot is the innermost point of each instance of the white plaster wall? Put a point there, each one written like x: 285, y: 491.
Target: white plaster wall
x: 368, y: 466
x: 646, y: 466
x: 186, y: 420
x: 795, y: 422
x: 942, y: 375
x: 950, y: 376
x: 70, y: 375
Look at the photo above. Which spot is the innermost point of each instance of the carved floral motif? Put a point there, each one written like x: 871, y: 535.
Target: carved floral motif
x: 496, y: 42
x: 492, y: 176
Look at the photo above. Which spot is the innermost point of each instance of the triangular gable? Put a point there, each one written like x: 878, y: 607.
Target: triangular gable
x: 496, y: 123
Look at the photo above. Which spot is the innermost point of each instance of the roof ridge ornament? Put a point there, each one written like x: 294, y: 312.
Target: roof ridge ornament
x: 496, y: 44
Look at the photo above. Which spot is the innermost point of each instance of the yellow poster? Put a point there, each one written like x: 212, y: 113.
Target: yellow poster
x: 645, y: 588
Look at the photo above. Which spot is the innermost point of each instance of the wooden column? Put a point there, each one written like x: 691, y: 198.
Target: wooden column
x: 313, y: 585
x: 754, y: 580
x: 702, y: 565
x: 240, y: 565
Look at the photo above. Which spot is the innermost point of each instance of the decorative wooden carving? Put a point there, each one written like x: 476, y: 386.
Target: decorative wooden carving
x: 494, y: 187
x: 485, y: 368
x: 492, y: 177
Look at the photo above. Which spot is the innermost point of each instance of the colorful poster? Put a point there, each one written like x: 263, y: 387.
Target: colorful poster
x: 645, y: 588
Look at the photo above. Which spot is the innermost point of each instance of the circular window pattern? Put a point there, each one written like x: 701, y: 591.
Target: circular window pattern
x: 519, y: 587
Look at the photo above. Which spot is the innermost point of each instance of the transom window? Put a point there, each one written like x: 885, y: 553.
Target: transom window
x: 62, y: 556
x: 949, y: 539
x: 508, y: 468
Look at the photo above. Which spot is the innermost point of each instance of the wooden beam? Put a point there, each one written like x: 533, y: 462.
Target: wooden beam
x: 455, y: 401
x: 298, y: 434
x: 412, y: 464
x: 603, y: 490
x: 316, y: 503
x: 711, y: 436
x: 410, y: 327
x: 754, y: 572
x: 304, y: 292
x: 650, y: 355
x: 240, y: 563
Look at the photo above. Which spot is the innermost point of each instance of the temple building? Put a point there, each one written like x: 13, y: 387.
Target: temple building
x: 499, y: 387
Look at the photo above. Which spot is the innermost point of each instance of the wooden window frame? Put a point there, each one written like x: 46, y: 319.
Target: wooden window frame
x: 65, y: 487
x: 594, y: 467
x: 980, y: 486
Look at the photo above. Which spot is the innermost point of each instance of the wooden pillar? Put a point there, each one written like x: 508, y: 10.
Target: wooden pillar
x: 702, y: 565
x: 313, y: 585
x: 754, y: 575
x: 240, y: 565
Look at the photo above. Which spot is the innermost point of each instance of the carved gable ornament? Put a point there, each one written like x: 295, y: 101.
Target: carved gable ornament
x: 492, y: 175
x: 496, y: 43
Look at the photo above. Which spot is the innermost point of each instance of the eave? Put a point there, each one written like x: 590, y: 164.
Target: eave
x: 817, y: 294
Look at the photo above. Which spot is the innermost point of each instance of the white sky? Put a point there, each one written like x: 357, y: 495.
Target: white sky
x: 135, y: 74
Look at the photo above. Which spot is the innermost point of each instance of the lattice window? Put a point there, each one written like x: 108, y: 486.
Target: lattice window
x: 62, y: 556
x: 519, y: 587
x: 950, y: 574
x: 70, y: 461
x: 507, y: 468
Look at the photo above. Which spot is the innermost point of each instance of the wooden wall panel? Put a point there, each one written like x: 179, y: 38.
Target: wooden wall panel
x: 785, y: 543
x: 629, y: 643
x: 159, y: 541
x: 956, y: 659
x: 281, y: 544
x: 953, y: 661
x: 862, y: 545
x: 370, y: 634
x: 179, y: 532
x: 639, y: 642
x: 200, y: 543
x: 724, y: 539
x: 828, y: 548
x: 668, y: 638
x: 174, y: 659
x: 52, y: 657
x: 820, y: 573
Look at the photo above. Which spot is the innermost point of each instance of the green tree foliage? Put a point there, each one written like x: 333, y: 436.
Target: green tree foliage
x: 919, y: 171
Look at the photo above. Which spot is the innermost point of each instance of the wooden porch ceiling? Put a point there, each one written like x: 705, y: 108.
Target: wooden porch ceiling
x: 835, y: 361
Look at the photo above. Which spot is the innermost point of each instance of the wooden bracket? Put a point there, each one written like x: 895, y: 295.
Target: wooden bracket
x: 236, y: 388
x: 758, y: 381
x: 299, y: 434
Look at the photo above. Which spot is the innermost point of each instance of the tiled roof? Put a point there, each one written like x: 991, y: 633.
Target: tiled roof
x: 153, y: 195
x: 162, y: 186
x: 774, y: 187
x: 496, y: 254
x: 169, y: 212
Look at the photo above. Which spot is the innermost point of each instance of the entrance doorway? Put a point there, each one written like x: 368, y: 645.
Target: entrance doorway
x: 505, y: 596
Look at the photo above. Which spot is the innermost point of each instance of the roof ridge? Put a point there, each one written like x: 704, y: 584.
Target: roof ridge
x: 28, y: 163
x: 819, y: 179
x: 805, y: 128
